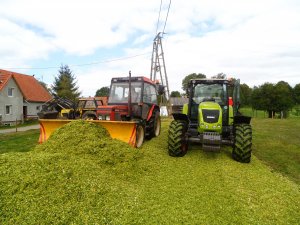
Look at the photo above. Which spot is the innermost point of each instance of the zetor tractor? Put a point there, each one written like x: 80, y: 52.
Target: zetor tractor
x: 211, y: 119
x: 134, y: 99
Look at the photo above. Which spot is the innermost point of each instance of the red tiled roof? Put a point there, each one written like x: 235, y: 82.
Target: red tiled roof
x: 31, y: 89
x: 4, y: 78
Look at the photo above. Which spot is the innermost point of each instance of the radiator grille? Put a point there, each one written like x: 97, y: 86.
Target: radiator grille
x: 210, y: 115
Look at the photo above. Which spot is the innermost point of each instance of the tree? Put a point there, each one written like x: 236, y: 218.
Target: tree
x: 284, y: 98
x: 44, y: 85
x: 245, y: 94
x: 296, y: 93
x: 102, y: 92
x: 220, y: 76
x: 186, y: 80
x: 175, y: 94
x: 65, y: 84
x: 263, y: 98
x: 296, y: 98
x: 273, y: 98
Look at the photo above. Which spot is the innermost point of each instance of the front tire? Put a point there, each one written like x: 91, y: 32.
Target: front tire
x: 242, y: 143
x: 140, y: 135
x: 155, y: 132
x: 177, y: 143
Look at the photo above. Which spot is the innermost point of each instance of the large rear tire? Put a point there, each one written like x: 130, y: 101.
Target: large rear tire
x: 242, y: 143
x: 177, y: 143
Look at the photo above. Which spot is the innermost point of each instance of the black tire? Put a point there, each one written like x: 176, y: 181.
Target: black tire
x: 242, y: 143
x: 140, y: 136
x: 89, y: 115
x: 177, y: 143
x: 155, y: 131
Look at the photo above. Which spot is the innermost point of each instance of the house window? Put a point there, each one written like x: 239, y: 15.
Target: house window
x: 38, y: 108
x: 10, y: 92
x: 8, y: 110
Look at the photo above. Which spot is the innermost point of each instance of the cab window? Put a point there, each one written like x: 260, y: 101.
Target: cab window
x: 150, y: 95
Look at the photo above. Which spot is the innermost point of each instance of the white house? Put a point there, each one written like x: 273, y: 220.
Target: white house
x: 21, y: 97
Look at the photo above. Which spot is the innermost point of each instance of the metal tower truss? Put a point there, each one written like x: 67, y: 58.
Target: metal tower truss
x: 158, y: 68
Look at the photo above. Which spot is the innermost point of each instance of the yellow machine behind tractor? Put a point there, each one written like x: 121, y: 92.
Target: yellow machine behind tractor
x: 131, y: 114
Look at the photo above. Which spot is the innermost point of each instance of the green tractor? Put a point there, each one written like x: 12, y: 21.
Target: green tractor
x: 212, y: 119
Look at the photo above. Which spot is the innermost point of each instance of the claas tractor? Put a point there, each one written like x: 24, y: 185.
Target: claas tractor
x: 212, y: 119
x: 131, y: 114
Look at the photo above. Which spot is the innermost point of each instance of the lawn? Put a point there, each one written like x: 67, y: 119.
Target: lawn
x: 39, y: 187
x: 277, y: 143
x: 19, y: 142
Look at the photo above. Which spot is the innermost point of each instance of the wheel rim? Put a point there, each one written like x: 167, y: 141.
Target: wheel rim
x: 140, y: 133
x: 157, y: 127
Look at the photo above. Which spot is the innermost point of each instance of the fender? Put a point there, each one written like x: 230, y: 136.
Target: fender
x: 180, y: 116
x: 150, y: 112
x: 241, y: 119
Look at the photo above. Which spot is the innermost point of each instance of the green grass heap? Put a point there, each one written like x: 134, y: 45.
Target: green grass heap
x: 85, y: 138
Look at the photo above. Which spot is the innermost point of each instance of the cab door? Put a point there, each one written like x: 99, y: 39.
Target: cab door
x: 149, y: 99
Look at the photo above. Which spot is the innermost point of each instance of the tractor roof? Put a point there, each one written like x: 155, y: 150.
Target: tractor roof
x: 209, y: 81
x: 133, y: 79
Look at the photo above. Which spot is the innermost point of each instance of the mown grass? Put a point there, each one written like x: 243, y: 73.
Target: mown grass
x: 39, y: 187
x: 19, y: 142
x: 248, y: 111
x: 277, y: 143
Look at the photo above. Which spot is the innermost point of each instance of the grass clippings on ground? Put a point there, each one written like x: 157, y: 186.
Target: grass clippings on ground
x: 144, y: 186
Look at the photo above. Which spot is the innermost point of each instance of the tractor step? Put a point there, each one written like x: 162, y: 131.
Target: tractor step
x: 211, y: 141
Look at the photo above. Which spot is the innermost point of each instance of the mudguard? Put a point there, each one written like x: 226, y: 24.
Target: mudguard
x: 241, y: 119
x: 180, y: 116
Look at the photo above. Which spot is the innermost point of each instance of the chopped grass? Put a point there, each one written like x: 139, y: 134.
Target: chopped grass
x: 70, y: 187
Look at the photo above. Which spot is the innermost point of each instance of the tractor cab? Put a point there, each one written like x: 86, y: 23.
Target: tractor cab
x: 130, y: 98
x: 209, y: 103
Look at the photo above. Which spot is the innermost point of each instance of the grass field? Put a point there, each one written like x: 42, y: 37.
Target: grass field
x: 18, y: 142
x: 200, y: 188
x: 277, y: 143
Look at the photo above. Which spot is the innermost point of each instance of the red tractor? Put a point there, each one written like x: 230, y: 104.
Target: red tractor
x: 134, y: 99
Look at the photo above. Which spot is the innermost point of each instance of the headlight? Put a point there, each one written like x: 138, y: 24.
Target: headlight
x: 107, y: 117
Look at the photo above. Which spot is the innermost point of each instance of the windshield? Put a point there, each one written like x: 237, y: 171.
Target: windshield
x: 119, y: 92
x: 210, y: 92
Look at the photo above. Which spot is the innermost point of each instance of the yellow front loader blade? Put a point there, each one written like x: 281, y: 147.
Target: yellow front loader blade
x: 122, y: 130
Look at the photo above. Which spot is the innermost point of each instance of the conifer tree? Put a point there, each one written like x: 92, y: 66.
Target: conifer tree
x: 65, y: 84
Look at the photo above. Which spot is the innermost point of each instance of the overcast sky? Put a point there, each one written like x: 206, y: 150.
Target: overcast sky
x: 254, y: 40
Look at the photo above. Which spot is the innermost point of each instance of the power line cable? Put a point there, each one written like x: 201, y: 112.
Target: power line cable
x: 77, y: 65
x: 166, y: 18
x: 158, y: 17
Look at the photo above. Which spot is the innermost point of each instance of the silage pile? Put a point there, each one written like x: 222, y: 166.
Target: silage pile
x: 80, y: 176
x: 80, y: 137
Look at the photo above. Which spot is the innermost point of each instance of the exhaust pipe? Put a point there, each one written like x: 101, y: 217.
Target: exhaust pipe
x: 129, y: 96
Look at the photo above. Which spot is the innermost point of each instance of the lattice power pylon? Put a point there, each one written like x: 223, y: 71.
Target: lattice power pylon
x: 159, y: 71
